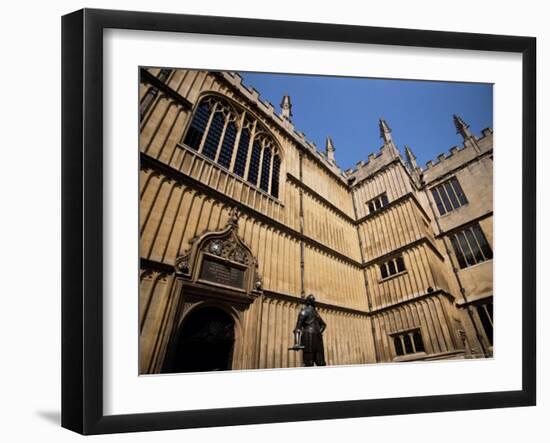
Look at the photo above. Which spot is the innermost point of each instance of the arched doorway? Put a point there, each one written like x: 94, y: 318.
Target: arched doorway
x: 205, y: 341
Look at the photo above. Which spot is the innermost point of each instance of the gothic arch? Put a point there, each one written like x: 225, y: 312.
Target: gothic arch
x: 236, y: 139
x: 216, y: 342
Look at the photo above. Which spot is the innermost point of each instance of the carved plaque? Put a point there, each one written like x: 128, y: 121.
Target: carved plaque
x: 222, y: 273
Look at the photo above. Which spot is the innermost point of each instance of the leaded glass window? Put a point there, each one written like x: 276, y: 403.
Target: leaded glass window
x: 275, y: 176
x: 266, y: 167
x: 228, y: 144
x: 210, y: 147
x: 254, y: 163
x: 242, y: 153
x: 448, y: 196
x: 230, y: 136
x: 470, y: 246
x: 198, y: 125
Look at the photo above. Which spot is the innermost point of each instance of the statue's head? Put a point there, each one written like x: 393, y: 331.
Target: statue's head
x: 310, y: 300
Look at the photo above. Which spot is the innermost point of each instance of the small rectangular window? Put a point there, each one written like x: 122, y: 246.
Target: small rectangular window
x: 378, y: 203
x: 470, y: 246
x: 448, y: 196
x: 408, y: 343
x: 392, y: 267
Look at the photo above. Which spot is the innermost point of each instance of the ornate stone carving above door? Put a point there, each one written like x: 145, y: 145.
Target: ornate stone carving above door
x: 222, y: 259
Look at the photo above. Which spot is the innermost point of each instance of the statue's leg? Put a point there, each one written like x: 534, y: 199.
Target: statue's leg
x: 309, y: 350
x: 320, y: 351
x: 320, y: 359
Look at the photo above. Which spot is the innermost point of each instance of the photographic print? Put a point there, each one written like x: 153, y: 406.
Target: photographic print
x: 301, y: 220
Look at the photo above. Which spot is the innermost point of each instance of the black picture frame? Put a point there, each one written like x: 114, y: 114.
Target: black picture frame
x: 82, y: 220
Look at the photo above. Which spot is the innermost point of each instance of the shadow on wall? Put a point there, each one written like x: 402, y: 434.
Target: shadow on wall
x: 54, y: 417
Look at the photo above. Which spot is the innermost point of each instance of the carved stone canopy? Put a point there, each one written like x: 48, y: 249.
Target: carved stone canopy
x: 222, y: 259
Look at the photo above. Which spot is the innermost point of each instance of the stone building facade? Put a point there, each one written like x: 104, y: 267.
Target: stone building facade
x: 241, y: 217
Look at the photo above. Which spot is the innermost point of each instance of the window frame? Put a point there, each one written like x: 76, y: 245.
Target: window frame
x: 468, y: 243
x: 393, y: 262
x: 378, y: 203
x: 400, y: 343
x: 244, y: 120
x: 445, y: 192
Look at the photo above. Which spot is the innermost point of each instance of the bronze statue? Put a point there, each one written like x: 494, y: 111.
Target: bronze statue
x: 308, y: 334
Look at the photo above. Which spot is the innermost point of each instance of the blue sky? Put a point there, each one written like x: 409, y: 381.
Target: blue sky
x: 418, y: 112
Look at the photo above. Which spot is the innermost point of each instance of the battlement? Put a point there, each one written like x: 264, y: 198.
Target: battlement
x: 375, y: 160
x: 485, y: 142
x: 444, y: 162
x: 442, y: 157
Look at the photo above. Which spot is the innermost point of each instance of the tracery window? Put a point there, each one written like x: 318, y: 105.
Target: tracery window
x: 266, y: 168
x: 254, y: 163
x: 275, y: 176
x: 198, y: 126
x: 267, y: 153
x: 235, y: 140
x: 212, y: 141
x: 228, y: 145
x: 242, y: 152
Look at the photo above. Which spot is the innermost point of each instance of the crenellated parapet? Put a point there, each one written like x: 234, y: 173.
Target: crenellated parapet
x: 473, y: 146
x: 374, y: 162
x: 388, y: 153
x: 458, y: 156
